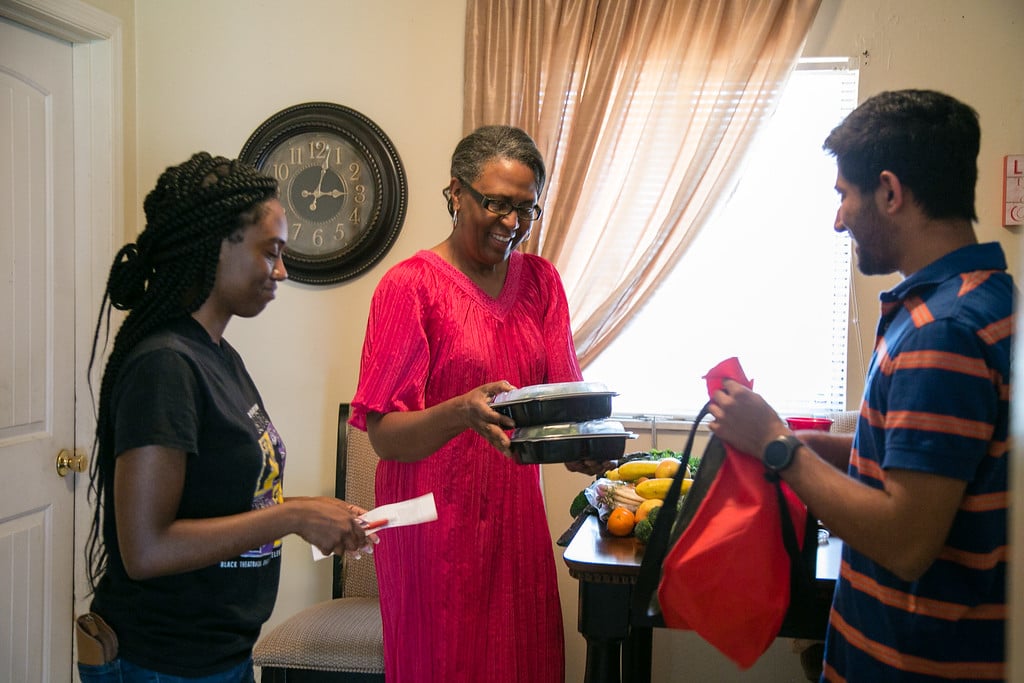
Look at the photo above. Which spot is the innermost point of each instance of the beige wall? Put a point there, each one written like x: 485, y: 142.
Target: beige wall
x: 970, y: 49
x: 203, y: 75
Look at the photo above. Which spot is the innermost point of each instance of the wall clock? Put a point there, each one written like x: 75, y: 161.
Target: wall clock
x: 342, y: 185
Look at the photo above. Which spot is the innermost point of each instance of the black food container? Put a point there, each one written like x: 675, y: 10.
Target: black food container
x: 552, y: 404
x: 591, y: 440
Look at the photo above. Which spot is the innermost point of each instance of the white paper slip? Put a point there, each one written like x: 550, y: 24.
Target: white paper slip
x: 412, y: 511
x: 407, y: 512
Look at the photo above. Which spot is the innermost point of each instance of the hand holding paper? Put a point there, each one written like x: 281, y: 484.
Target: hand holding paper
x: 405, y: 513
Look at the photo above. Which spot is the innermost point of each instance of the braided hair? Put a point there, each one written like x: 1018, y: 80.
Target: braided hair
x: 165, y: 275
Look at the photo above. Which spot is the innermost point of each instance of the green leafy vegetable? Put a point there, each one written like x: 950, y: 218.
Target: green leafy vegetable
x: 579, y: 504
x: 645, y: 526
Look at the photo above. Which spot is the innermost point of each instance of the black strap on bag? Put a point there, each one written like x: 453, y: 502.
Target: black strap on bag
x: 669, y: 527
x: 645, y: 606
x: 801, y: 576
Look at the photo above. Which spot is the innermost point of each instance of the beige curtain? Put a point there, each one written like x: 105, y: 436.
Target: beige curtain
x: 643, y: 110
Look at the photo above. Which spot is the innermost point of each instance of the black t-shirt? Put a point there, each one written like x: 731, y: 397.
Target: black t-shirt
x: 180, y: 390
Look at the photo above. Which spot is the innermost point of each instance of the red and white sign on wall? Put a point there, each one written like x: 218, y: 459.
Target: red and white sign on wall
x: 1013, y: 190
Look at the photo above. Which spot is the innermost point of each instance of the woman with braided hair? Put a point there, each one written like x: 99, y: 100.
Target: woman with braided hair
x: 184, y: 552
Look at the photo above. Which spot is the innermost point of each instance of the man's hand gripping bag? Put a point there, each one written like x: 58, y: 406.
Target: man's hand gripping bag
x: 726, y: 565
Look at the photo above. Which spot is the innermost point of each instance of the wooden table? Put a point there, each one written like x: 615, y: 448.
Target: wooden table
x: 619, y: 642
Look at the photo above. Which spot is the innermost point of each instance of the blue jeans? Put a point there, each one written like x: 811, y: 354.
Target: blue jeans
x: 121, y: 671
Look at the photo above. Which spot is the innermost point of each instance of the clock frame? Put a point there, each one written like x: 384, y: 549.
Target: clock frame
x: 342, y: 185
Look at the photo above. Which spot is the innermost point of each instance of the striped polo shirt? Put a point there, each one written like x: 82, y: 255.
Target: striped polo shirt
x: 936, y: 400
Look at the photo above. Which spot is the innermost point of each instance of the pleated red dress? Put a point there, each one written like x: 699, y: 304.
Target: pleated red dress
x: 473, y: 596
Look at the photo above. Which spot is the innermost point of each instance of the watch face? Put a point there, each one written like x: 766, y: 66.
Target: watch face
x: 342, y: 186
x: 775, y: 454
x: 779, y: 453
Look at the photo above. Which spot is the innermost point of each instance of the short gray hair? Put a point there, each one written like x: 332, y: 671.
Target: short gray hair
x: 496, y: 142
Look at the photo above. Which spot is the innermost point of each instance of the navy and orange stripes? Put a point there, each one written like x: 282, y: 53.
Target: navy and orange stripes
x: 936, y: 400
x: 986, y: 502
x: 969, y: 281
x: 936, y: 360
x: 923, y: 667
x: 919, y: 312
x: 997, y: 331
x: 908, y: 602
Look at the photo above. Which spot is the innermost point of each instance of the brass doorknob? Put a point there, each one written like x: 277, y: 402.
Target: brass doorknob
x: 68, y: 461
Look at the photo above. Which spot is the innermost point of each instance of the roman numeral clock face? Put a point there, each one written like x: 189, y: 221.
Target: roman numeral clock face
x: 342, y: 186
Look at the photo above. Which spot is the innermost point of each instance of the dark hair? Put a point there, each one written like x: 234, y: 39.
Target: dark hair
x: 166, y: 274
x: 487, y: 143
x: 929, y: 140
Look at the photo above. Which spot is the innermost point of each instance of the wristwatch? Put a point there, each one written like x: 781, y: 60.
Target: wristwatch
x: 778, y: 455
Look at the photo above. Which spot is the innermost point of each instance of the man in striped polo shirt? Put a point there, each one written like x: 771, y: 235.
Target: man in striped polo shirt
x: 919, y: 493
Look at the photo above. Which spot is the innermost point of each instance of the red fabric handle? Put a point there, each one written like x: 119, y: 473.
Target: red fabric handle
x: 728, y: 369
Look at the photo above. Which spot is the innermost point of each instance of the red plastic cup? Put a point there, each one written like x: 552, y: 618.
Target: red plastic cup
x: 822, y: 424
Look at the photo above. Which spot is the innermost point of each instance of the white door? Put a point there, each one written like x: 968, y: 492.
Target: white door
x: 37, y: 354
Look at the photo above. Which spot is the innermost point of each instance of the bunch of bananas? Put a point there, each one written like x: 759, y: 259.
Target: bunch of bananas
x: 645, y: 479
x: 627, y: 497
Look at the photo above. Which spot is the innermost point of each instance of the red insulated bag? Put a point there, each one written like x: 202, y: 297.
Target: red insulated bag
x: 727, y: 564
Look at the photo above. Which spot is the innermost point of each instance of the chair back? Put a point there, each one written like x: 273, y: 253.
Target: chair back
x: 356, y: 470
x: 845, y: 422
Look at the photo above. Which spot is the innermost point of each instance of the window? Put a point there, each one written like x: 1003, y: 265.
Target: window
x: 767, y: 280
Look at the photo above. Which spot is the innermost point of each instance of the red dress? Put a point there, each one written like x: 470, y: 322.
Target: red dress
x: 474, y: 595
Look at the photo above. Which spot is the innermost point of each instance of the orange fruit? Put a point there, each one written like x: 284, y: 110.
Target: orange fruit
x: 620, y: 522
x: 646, y: 507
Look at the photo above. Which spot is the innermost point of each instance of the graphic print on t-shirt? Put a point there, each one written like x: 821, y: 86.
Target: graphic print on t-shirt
x: 269, y: 489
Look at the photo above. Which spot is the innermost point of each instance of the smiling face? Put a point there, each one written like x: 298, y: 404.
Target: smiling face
x: 480, y: 237
x: 250, y: 265
x: 872, y: 234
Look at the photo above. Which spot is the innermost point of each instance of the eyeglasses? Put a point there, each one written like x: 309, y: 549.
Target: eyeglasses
x: 503, y: 207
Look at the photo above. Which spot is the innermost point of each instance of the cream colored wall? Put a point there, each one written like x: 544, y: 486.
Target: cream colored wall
x: 207, y: 73
x: 970, y: 49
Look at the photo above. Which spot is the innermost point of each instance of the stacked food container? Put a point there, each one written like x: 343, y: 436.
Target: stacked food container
x: 563, y: 422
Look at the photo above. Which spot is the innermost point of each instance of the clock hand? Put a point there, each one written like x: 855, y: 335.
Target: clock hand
x: 318, y: 192
x: 334, y: 194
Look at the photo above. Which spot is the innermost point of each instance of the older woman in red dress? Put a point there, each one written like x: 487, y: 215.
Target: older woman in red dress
x: 474, y: 595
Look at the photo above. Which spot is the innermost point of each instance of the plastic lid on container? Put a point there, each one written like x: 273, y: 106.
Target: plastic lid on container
x: 555, y: 390
x: 568, y: 430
